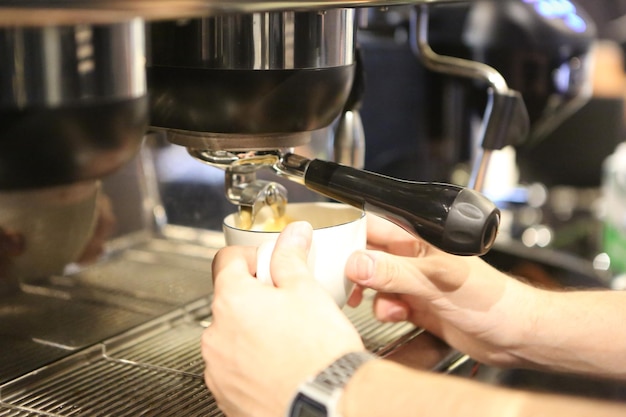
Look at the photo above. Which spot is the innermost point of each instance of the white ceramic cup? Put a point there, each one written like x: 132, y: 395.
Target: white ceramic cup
x: 56, y: 224
x: 338, y: 231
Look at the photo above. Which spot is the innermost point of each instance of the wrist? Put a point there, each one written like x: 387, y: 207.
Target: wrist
x: 320, y: 395
x: 526, y: 321
x: 351, y: 400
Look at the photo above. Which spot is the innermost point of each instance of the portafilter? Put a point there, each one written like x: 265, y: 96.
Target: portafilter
x: 455, y: 219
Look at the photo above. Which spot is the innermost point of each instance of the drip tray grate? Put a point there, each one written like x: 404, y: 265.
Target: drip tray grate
x: 154, y: 370
x: 103, y: 387
x: 15, y: 412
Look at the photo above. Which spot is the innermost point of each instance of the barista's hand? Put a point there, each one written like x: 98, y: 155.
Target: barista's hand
x: 264, y: 341
x: 463, y: 300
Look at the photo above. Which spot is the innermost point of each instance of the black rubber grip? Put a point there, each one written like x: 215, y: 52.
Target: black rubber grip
x: 455, y: 219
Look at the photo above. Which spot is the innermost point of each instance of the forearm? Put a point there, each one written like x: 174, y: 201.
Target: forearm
x: 570, y: 330
x: 382, y: 388
x: 577, y: 331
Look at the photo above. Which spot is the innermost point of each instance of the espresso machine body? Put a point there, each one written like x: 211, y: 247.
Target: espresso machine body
x: 73, y: 102
x: 256, y: 79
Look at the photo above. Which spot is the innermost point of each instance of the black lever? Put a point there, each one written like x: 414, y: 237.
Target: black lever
x: 455, y: 219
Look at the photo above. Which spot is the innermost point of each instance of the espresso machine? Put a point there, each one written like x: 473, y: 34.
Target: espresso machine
x: 92, y: 91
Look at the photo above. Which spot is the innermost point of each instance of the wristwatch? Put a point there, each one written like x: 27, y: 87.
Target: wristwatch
x: 319, y: 396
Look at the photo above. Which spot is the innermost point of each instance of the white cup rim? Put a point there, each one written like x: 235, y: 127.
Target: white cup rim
x: 323, y: 204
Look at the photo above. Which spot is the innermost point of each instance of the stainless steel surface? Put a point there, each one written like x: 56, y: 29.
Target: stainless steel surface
x: 55, y: 316
x: 73, y: 100
x: 349, y: 144
x: 43, y: 12
x: 257, y: 41
x: 226, y: 141
x: 452, y: 65
x: 59, y: 65
x: 250, y: 80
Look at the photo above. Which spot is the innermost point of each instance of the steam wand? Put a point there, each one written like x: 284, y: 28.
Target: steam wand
x: 505, y: 121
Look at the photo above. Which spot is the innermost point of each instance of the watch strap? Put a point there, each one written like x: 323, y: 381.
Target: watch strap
x: 319, y: 396
x: 338, y: 373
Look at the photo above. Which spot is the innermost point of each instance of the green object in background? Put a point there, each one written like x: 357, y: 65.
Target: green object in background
x: 614, y: 245
x: 614, y: 219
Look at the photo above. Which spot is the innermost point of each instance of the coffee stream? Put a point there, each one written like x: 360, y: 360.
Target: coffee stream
x: 245, y: 217
x: 275, y: 223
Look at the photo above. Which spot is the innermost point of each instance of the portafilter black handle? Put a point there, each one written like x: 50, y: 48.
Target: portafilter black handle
x: 455, y: 219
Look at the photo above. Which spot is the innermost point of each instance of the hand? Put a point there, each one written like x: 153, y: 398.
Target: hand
x: 463, y: 300
x: 264, y: 341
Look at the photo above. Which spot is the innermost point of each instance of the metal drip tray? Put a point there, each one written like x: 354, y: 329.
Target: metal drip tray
x: 142, y: 372
x: 92, y: 385
x: 65, y: 324
x: 153, y: 370
x: 48, y: 319
x: 143, y: 273
x: 36, y: 329
x: 19, y: 354
x: 11, y: 412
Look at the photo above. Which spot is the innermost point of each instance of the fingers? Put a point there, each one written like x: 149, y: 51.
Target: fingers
x: 289, y: 260
x: 233, y: 263
x: 429, y: 274
x: 380, y: 271
x: 389, y: 237
x: 356, y: 296
x: 288, y: 263
x: 387, y: 307
x: 379, y: 230
x: 390, y: 308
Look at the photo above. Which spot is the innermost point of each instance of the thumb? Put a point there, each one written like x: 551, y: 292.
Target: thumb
x: 289, y: 259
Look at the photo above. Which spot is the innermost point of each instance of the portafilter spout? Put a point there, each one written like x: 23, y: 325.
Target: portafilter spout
x: 457, y: 220
x: 242, y: 187
x: 253, y: 196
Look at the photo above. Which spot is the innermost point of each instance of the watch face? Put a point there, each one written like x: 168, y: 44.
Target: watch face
x: 304, y: 406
